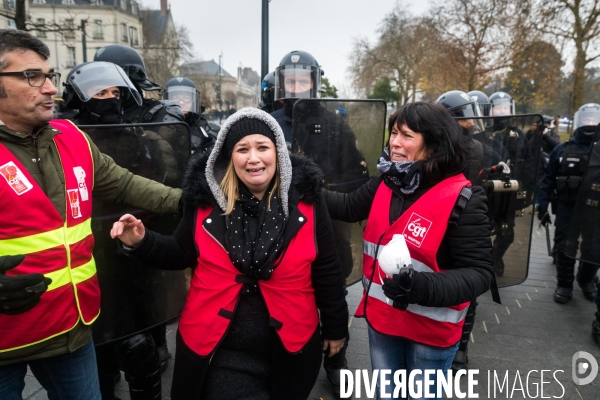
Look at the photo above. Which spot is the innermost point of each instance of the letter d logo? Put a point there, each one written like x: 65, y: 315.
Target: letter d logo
x: 579, y: 367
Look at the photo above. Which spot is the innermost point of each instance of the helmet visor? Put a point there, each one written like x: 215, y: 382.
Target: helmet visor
x: 185, y: 96
x: 295, y: 81
x: 465, y: 114
x: 95, y: 77
x: 500, y: 107
x: 587, y: 117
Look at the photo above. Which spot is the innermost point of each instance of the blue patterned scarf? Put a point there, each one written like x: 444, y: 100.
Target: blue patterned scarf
x: 406, y: 175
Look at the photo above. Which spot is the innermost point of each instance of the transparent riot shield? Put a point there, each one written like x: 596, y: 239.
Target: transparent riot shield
x: 345, y: 138
x: 583, y: 235
x: 504, y: 159
x: 134, y: 296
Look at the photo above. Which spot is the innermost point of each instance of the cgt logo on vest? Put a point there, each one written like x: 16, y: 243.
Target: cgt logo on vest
x: 15, y: 178
x: 416, y: 229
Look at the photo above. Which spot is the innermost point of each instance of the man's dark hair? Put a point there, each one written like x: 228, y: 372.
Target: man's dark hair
x: 442, y: 136
x: 15, y: 40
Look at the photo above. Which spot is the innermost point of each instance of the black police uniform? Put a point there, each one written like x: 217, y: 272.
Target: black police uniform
x: 318, y: 147
x: 567, y: 165
x: 203, y: 133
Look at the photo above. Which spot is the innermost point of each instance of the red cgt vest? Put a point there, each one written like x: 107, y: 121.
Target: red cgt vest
x: 423, y: 226
x: 216, y: 285
x: 61, y: 250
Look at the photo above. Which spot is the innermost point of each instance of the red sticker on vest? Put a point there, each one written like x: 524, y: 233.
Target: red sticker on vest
x: 416, y: 229
x: 74, y: 202
x: 15, y: 178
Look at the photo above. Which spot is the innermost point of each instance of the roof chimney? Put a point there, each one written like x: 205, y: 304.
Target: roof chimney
x: 163, y: 7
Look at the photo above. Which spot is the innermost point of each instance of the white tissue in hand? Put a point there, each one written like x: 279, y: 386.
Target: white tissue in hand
x: 394, y: 255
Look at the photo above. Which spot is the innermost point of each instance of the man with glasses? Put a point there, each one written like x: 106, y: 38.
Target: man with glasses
x: 49, y: 293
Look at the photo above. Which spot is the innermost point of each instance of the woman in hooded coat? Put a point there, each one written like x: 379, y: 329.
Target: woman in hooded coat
x: 258, y: 238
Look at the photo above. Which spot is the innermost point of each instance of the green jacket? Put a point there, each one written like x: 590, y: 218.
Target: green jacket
x: 112, y: 183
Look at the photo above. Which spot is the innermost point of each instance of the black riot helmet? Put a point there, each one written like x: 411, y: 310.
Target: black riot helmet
x: 89, y: 78
x: 587, y: 118
x: 298, y: 76
x: 482, y: 100
x: 132, y: 63
x: 501, y: 104
x: 267, y: 90
x: 461, y: 105
x: 183, y: 91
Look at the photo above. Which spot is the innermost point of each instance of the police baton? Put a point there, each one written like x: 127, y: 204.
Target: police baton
x: 548, y: 240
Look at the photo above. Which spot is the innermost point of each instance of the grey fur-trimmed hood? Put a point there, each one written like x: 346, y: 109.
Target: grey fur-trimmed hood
x: 307, y: 179
x: 216, y: 164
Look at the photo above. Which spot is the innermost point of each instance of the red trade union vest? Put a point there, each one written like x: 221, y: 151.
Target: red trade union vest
x: 423, y: 226
x: 216, y: 285
x: 61, y: 250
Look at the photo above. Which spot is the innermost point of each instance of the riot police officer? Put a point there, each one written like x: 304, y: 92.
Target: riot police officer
x: 99, y: 90
x: 510, y: 143
x: 267, y: 93
x: 151, y: 110
x: 568, y: 163
x: 183, y: 92
x: 298, y: 76
x: 482, y: 101
x: 481, y: 156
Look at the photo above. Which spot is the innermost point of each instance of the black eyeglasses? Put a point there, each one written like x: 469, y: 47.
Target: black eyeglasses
x: 36, y: 78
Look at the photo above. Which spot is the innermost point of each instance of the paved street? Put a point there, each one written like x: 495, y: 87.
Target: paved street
x: 528, y: 332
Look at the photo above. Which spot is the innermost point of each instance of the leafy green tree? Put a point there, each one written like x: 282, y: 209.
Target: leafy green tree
x: 330, y: 90
x: 382, y: 89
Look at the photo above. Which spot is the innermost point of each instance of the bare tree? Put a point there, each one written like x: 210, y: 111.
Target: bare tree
x: 477, y: 34
x: 402, y: 46
x: 577, y: 23
x: 164, y: 50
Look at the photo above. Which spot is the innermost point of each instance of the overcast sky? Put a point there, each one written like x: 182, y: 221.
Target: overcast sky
x: 324, y: 28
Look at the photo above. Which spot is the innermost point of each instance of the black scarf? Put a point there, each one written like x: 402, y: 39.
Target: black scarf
x: 255, y: 234
x: 406, y: 175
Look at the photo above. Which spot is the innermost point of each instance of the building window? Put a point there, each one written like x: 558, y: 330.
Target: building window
x: 69, y: 29
x: 40, y: 25
x: 124, y: 4
x: 134, y: 7
x: 123, y: 28
x: 39, y: 1
x: 98, y: 3
x: 134, y: 36
x: 98, y: 32
x: 68, y: 1
x: 9, y: 4
x: 71, y: 62
x: 11, y: 23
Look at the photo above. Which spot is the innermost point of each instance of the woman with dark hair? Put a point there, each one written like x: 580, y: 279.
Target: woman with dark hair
x: 427, y: 247
x: 265, y: 272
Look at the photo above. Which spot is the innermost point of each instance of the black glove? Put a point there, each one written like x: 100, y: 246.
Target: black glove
x: 19, y: 294
x: 398, y: 288
x: 544, y: 217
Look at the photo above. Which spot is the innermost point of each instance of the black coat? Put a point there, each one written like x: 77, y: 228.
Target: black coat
x: 465, y: 252
x: 292, y: 375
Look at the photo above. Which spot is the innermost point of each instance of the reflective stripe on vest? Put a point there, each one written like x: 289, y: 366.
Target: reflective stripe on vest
x: 59, y: 249
x: 423, y: 226
x: 442, y: 314
x: 216, y: 285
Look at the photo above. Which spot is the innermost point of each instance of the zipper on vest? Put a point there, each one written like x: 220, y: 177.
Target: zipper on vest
x: 34, y: 139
